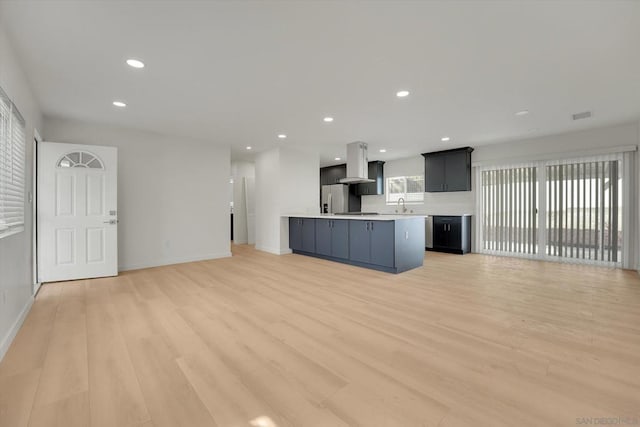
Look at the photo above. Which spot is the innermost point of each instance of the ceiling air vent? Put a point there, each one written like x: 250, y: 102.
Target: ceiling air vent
x: 583, y: 115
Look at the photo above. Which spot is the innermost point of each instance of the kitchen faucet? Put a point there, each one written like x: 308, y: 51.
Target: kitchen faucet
x: 404, y: 209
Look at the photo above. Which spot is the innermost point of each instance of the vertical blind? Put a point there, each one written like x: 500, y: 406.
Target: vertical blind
x: 509, y: 199
x: 565, y: 210
x: 583, y: 211
x: 12, y: 167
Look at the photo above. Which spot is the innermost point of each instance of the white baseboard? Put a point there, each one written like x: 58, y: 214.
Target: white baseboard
x: 170, y: 261
x: 275, y: 251
x: 13, y: 331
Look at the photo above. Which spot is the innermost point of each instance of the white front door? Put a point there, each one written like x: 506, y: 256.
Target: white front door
x: 77, y: 211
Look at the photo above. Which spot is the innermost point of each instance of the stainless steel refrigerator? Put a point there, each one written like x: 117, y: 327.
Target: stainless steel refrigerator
x: 335, y: 198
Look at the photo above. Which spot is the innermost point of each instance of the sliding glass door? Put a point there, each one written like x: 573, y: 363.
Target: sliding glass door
x: 510, y: 205
x: 584, y: 211
x: 562, y: 210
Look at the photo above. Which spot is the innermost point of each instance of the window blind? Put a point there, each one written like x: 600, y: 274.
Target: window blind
x: 584, y: 211
x: 12, y: 167
x: 509, y: 216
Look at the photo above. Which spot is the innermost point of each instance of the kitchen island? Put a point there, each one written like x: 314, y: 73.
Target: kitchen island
x: 391, y: 243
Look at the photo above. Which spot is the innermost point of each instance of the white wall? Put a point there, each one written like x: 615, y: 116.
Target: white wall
x: 173, y: 193
x: 16, y: 281
x: 243, y: 221
x: 287, y: 181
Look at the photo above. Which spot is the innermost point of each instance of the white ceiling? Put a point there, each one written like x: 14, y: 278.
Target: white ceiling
x: 240, y: 73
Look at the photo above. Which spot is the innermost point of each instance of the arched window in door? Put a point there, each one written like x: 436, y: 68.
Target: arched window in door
x: 80, y: 159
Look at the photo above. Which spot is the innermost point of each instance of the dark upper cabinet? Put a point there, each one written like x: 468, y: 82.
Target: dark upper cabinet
x: 448, y: 170
x: 302, y: 234
x: 452, y: 234
x: 376, y: 172
x: 332, y: 174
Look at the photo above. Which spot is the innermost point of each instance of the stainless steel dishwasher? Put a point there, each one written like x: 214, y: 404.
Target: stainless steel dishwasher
x: 428, y: 232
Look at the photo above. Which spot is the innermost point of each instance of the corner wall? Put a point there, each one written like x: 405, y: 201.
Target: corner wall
x: 16, y: 278
x: 173, y: 193
x: 287, y: 182
x: 243, y: 212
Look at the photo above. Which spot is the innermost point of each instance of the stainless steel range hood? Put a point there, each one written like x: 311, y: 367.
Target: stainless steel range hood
x: 357, y: 164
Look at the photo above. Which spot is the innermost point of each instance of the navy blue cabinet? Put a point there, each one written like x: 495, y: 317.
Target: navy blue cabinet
x: 382, y: 236
x: 359, y: 241
x: 332, y: 238
x: 323, y: 237
x: 340, y: 238
x: 393, y: 246
x: 372, y: 242
x: 302, y: 234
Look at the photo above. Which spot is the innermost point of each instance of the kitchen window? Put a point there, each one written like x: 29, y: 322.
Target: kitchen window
x: 12, y: 167
x: 410, y: 188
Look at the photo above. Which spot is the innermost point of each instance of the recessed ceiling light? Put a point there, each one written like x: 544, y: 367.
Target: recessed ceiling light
x: 383, y: 150
x: 445, y: 139
x: 522, y: 113
x: 337, y: 158
x: 248, y: 148
x: 282, y: 136
x: 328, y: 119
x: 119, y: 104
x: 402, y: 93
x: 135, y: 63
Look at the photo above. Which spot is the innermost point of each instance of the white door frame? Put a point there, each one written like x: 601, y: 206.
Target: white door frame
x: 33, y: 198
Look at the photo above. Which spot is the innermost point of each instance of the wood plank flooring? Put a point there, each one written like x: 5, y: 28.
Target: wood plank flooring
x: 264, y: 340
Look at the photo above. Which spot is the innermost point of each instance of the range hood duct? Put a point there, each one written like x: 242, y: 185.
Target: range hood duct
x: 357, y: 164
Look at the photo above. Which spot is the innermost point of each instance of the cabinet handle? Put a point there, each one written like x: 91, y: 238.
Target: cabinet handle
x: 367, y: 226
x: 371, y: 225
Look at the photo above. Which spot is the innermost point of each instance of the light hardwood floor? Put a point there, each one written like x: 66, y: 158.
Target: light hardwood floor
x: 264, y: 340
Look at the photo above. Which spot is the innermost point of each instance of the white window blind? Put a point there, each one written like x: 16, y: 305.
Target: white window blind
x: 584, y: 211
x: 410, y: 188
x: 510, y: 205
x: 568, y: 210
x: 12, y: 167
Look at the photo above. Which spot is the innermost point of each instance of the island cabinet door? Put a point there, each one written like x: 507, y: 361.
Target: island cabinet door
x: 309, y: 235
x: 340, y: 238
x: 359, y: 241
x: 295, y: 233
x: 382, y: 242
x: 323, y: 237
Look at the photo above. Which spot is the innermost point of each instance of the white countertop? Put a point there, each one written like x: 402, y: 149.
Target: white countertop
x: 382, y: 217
